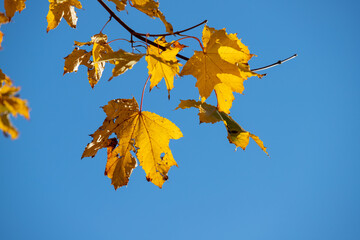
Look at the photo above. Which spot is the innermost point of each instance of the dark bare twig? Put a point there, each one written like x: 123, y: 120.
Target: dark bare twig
x: 274, y: 64
x: 174, y: 33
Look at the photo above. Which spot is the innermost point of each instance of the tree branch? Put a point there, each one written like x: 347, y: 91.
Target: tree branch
x: 132, y: 32
x: 274, y: 64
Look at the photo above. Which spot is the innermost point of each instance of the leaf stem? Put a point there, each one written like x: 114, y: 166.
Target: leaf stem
x: 185, y: 37
x: 132, y: 32
x: 274, y: 64
x: 106, y: 23
x: 143, y: 91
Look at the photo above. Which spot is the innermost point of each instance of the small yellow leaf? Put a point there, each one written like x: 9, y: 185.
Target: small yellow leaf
x: 120, y: 4
x: 210, y: 114
x: 144, y: 133
x: 13, y: 6
x: 59, y: 9
x: 163, y: 63
x: 151, y: 8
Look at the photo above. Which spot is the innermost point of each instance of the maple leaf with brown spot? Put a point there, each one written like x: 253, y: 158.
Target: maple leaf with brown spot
x: 144, y: 133
x: 10, y: 103
x: 162, y: 64
x: 221, y: 66
x: 210, y: 114
x: 59, y: 9
x: 13, y: 6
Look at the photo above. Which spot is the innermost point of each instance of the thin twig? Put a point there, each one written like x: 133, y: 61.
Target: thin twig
x: 174, y: 33
x: 274, y: 64
x: 132, y: 32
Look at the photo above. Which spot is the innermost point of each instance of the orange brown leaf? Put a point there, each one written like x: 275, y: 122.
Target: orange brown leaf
x: 13, y: 6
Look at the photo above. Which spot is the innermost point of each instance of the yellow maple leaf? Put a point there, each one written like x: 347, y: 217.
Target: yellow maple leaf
x: 144, y: 133
x: 163, y: 63
x: 210, y: 114
x: 3, y: 19
x: 120, y: 4
x: 151, y: 8
x: 59, y: 9
x: 10, y: 103
x: 13, y: 6
x: 221, y: 66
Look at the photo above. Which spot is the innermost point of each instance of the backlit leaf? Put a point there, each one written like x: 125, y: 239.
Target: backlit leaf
x: 13, y: 6
x: 145, y: 134
x: 210, y: 114
x: 221, y: 66
x: 59, y: 9
x: 162, y: 64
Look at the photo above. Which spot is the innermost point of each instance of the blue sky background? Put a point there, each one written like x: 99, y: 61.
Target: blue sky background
x: 306, y: 112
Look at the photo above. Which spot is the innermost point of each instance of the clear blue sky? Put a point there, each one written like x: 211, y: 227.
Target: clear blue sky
x: 306, y: 112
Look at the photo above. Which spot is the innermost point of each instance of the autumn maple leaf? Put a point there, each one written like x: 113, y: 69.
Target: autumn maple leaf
x: 10, y: 104
x: 59, y: 9
x: 13, y: 6
x: 221, y: 66
x: 162, y: 64
x: 210, y: 114
x: 144, y: 133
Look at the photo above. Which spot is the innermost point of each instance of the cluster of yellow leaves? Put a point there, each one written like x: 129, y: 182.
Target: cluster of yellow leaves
x: 210, y: 114
x: 100, y: 53
x: 10, y: 103
x: 59, y: 9
x: 149, y: 7
x: 144, y: 134
x: 221, y: 66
